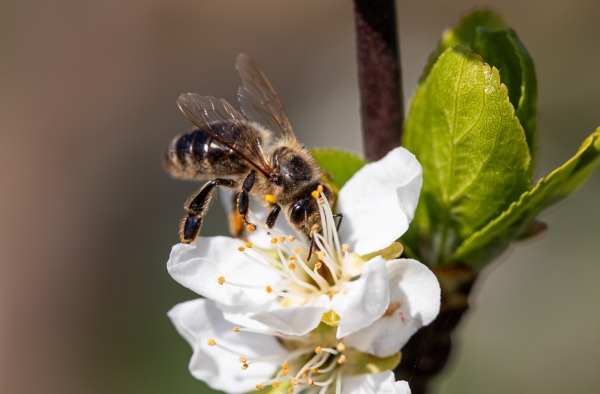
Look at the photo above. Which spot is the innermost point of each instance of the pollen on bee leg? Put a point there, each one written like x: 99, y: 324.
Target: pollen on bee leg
x: 221, y: 280
x: 271, y: 199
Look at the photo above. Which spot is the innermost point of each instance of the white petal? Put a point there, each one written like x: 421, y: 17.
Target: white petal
x: 414, y: 302
x: 362, y: 301
x: 198, y: 267
x: 378, y: 383
x: 293, y: 320
x: 379, y: 201
x: 200, y: 320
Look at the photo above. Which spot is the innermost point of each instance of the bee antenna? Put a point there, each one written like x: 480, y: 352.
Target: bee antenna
x: 312, y: 247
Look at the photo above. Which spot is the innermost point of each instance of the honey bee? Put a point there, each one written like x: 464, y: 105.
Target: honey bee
x: 257, y: 154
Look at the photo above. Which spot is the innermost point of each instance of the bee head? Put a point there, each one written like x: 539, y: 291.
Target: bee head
x: 304, y: 214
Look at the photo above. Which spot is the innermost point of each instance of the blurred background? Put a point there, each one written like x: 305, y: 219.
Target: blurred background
x: 88, y: 216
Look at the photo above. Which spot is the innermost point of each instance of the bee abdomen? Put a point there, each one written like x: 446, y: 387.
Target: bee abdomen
x: 195, y: 154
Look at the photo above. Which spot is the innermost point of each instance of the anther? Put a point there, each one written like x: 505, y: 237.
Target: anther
x: 297, y: 251
x: 221, y: 280
x: 345, y: 247
x: 330, y: 295
x: 248, y: 245
x: 285, y: 366
x: 340, y: 347
x: 275, y: 384
x: 318, y: 265
x: 315, y: 227
x: 244, y: 367
x: 241, y: 248
x: 211, y: 342
x: 271, y: 199
x: 321, y: 201
x: 310, y: 382
x: 318, y: 350
x: 294, y: 381
x: 321, y: 255
x: 291, y: 390
x: 291, y: 266
x: 292, y: 238
x: 274, y: 241
x: 269, y: 289
x: 293, y: 258
x: 243, y: 359
x: 282, y: 239
x: 304, y: 375
x: 259, y: 386
x: 315, y: 370
x: 237, y: 329
x: 342, y: 359
x: 320, y: 189
x: 250, y: 228
x: 315, y: 194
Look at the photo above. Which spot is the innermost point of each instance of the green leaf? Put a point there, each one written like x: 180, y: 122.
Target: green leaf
x: 486, y: 33
x: 339, y: 165
x: 494, y: 238
x: 463, y: 130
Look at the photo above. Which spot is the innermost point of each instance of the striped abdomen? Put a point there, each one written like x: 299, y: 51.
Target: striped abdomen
x: 196, y: 155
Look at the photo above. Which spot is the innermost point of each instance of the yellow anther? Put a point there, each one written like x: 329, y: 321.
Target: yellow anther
x: 221, y: 280
x: 318, y: 265
x: 243, y: 359
x: 330, y: 295
x: 345, y: 247
x: 271, y: 199
x: 244, y: 366
x: 275, y: 384
x: 321, y: 255
x: 340, y: 347
x: 248, y: 245
x: 211, y: 342
x: 318, y: 350
x: 315, y: 194
x: 304, y: 375
x: 315, y: 370
x: 310, y: 382
x: 241, y: 248
x: 297, y: 251
x: 292, y: 238
x: 321, y: 201
x: 291, y: 390
x: 259, y: 386
x: 294, y: 381
x: 274, y: 241
x: 269, y: 289
x: 237, y: 329
x: 250, y: 228
x: 284, y: 372
x: 291, y: 266
x: 315, y: 227
x: 282, y: 239
x: 320, y: 189
x: 342, y: 359
x: 293, y: 258
x: 285, y: 366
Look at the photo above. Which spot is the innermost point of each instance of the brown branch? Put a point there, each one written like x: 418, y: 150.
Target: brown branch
x: 379, y: 76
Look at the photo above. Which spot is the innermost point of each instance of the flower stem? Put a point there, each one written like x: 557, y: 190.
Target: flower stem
x: 379, y: 75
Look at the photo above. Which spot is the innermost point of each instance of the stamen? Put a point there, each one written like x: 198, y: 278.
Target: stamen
x: 292, y: 238
x: 274, y: 241
x: 320, y: 189
x: 244, y: 367
x: 315, y: 194
x: 264, y: 264
x: 294, y: 381
x: 236, y: 329
x: 250, y: 228
x: 341, y: 360
x: 345, y: 247
x: 282, y: 239
x: 320, y: 201
x: 241, y: 248
x: 211, y: 342
x: 291, y: 266
x: 259, y: 386
x: 275, y: 384
x: 318, y: 265
x: 340, y: 347
x: 221, y: 280
x: 243, y: 359
x: 248, y: 245
x: 269, y: 289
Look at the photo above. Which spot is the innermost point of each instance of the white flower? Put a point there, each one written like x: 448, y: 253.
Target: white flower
x: 278, y: 289
x: 236, y: 360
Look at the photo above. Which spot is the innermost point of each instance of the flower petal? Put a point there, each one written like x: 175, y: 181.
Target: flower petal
x: 362, y: 301
x: 198, y: 267
x: 378, y: 383
x: 414, y: 302
x: 293, y: 320
x: 379, y: 201
x: 200, y: 320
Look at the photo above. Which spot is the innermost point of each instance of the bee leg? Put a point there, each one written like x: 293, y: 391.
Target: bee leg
x: 339, y: 224
x: 272, y: 218
x: 236, y: 221
x: 243, y: 200
x: 312, y: 247
x: 197, y: 207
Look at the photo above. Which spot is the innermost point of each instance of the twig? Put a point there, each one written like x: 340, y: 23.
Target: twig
x: 379, y: 76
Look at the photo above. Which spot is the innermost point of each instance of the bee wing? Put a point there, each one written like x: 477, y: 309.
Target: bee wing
x: 211, y: 115
x: 258, y: 99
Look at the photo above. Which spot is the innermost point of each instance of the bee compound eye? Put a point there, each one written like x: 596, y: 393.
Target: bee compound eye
x: 298, y: 212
